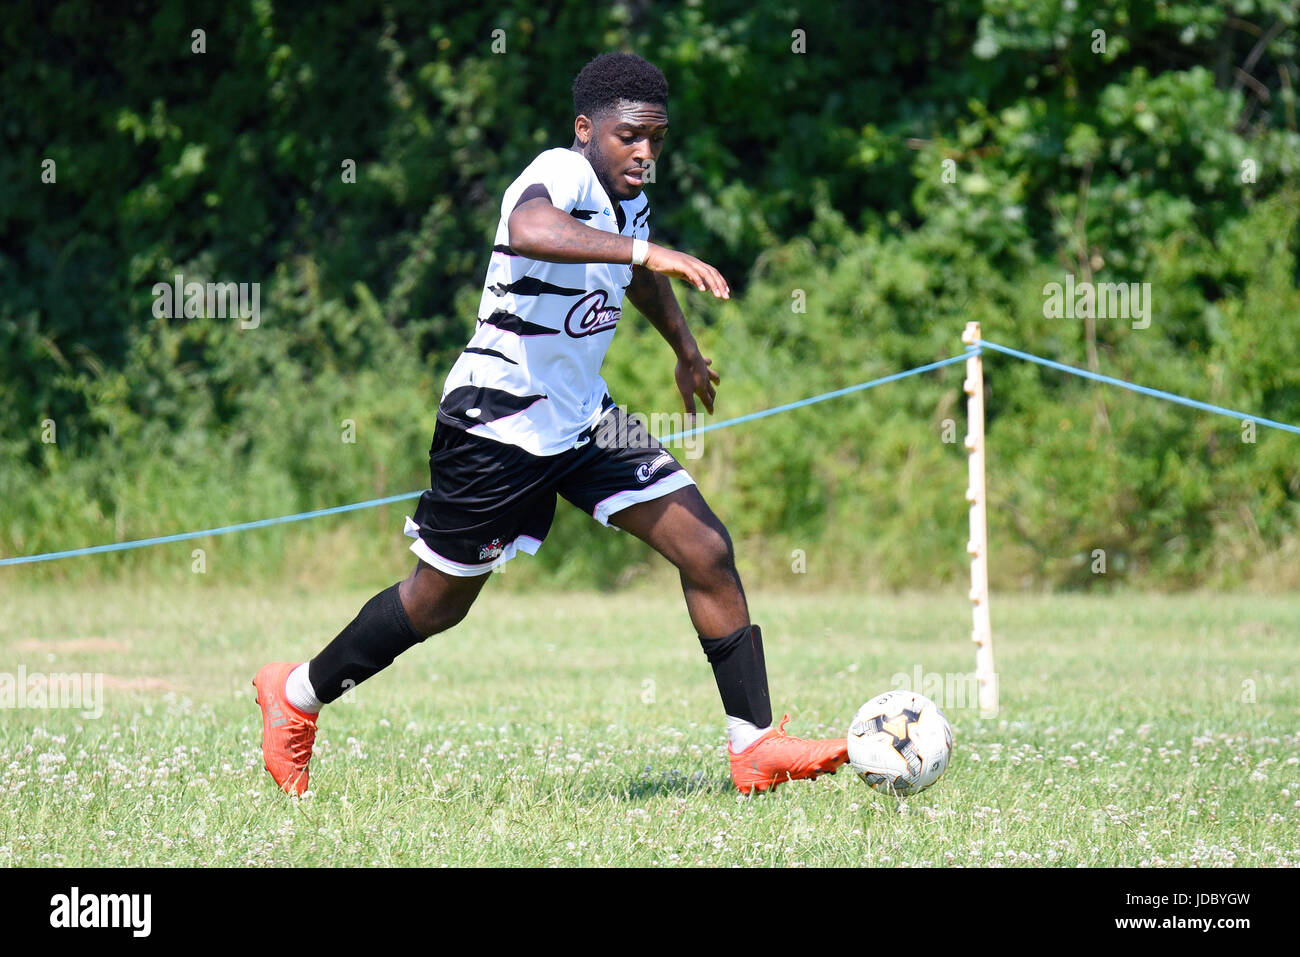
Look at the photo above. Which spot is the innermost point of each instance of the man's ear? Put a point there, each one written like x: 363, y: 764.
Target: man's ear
x: 583, y: 128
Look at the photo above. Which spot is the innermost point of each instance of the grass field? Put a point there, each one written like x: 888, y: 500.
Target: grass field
x: 584, y: 729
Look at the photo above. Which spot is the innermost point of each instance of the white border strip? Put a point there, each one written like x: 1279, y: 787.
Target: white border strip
x: 524, y: 543
x: 621, y: 500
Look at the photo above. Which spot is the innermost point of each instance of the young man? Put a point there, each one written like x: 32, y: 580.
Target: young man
x: 525, y: 414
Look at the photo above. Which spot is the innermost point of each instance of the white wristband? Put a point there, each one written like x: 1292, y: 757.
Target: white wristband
x: 640, y: 249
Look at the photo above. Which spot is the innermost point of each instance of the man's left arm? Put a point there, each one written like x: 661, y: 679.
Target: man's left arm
x: 652, y: 294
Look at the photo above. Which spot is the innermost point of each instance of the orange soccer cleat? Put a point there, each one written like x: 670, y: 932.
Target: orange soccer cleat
x: 776, y: 757
x: 287, y: 733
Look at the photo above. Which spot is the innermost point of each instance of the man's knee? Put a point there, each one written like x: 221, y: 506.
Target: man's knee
x: 432, y: 605
x: 430, y: 619
x: 710, y: 556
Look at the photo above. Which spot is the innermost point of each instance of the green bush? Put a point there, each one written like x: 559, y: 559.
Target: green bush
x: 937, y: 164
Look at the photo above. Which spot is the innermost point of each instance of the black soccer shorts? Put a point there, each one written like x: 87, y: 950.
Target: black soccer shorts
x: 487, y: 500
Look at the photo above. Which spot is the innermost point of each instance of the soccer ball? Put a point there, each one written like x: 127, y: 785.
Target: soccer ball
x: 900, y: 742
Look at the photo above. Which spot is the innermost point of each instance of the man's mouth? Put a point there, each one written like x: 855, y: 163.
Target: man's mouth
x: 634, y: 175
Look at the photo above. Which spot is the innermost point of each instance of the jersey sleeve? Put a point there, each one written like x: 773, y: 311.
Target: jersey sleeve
x: 557, y: 173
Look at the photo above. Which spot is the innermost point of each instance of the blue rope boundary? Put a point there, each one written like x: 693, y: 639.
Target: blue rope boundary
x: 727, y: 423
x: 1144, y: 390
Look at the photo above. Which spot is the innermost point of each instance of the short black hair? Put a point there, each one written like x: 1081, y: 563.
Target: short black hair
x: 611, y: 77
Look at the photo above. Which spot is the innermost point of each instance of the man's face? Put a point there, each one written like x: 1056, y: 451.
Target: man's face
x: 621, y: 142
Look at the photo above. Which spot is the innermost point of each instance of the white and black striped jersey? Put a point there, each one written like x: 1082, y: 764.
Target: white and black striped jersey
x: 530, y: 375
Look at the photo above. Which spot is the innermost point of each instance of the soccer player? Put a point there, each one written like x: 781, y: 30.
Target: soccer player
x: 525, y: 415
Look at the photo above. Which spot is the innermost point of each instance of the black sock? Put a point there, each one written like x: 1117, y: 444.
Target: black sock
x: 738, y: 668
x: 380, y: 632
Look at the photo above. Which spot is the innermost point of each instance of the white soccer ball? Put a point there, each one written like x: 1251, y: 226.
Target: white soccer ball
x: 900, y: 742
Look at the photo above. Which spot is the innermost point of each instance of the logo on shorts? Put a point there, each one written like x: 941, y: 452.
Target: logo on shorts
x: 647, y: 469
x: 492, y: 549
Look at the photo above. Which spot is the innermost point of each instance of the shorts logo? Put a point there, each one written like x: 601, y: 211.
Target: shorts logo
x: 492, y: 549
x: 647, y: 469
x: 590, y: 315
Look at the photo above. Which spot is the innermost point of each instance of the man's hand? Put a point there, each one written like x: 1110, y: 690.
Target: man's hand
x: 652, y: 293
x: 695, y: 378
x: 681, y: 266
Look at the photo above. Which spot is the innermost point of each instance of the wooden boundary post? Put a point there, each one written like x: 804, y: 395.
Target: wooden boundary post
x: 978, y: 545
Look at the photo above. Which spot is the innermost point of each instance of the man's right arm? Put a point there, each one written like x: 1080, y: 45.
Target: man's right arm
x: 539, y: 230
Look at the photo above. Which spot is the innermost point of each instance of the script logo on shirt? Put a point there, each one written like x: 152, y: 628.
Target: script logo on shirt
x: 590, y: 315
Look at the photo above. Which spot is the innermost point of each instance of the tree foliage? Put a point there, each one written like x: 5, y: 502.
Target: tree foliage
x: 906, y: 167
